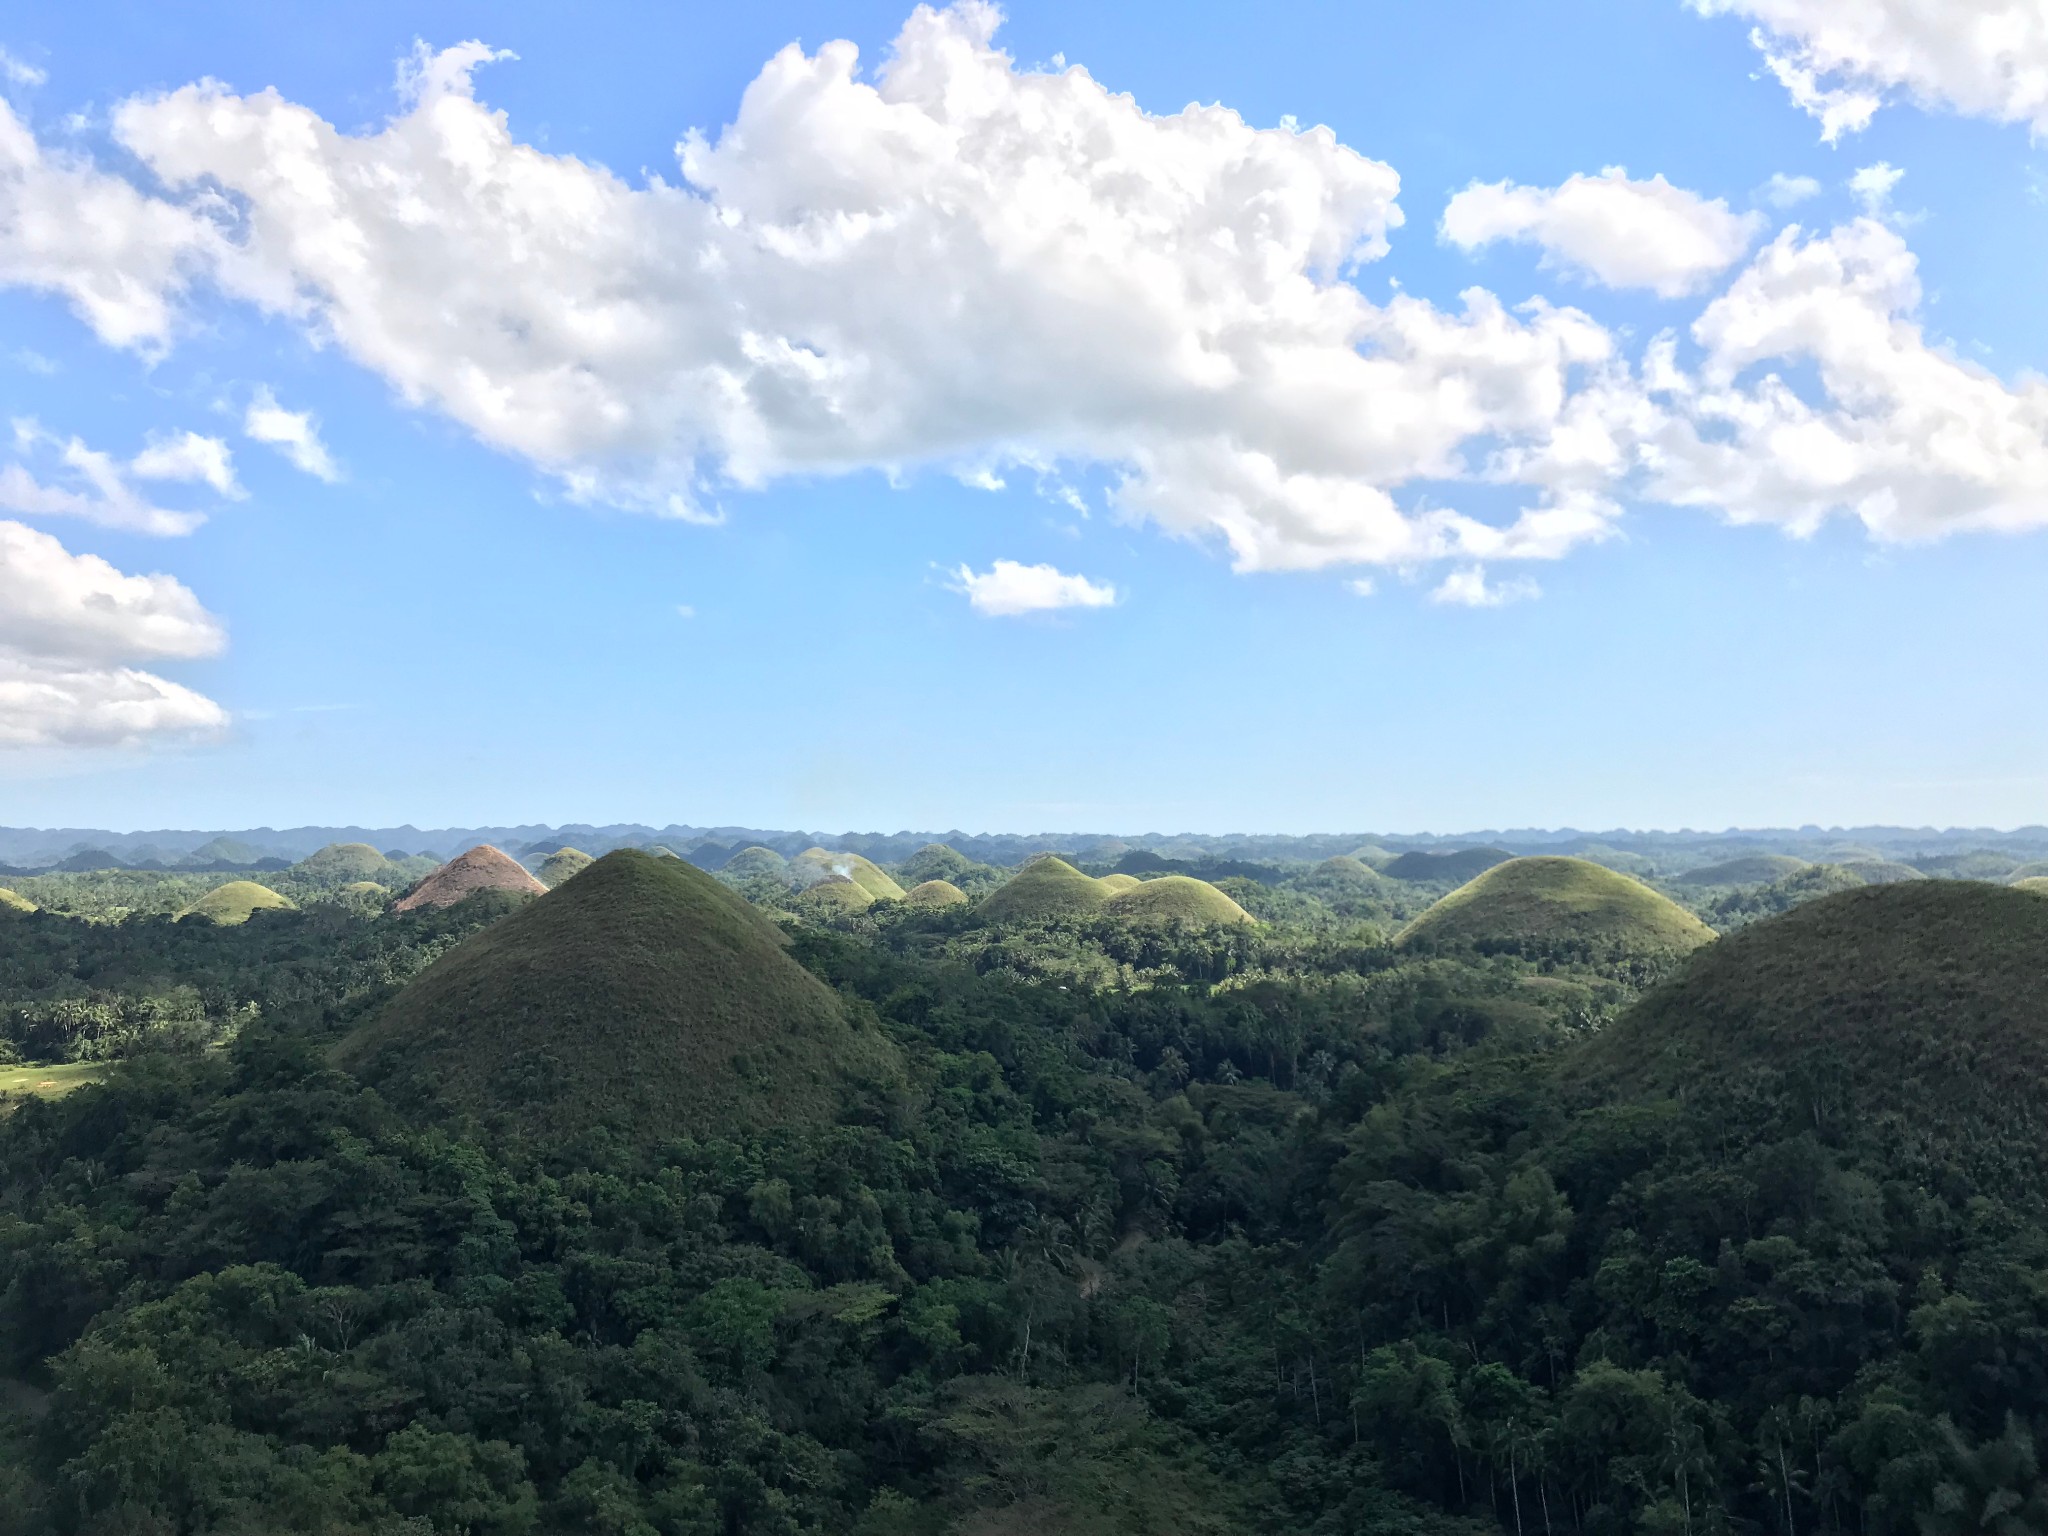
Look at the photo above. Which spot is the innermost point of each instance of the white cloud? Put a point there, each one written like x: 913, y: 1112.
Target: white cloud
x: 119, y: 256
x: 79, y: 481
x: 1467, y: 587
x: 1009, y: 588
x: 188, y: 456
x: 1873, y: 186
x: 1903, y: 435
x: 1783, y: 191
x: 1839, y: 59
x: 20, y: 71
x: 954, y: 263
x: 1623, y: 233
x: 1361, y: 586
x: 69, y: 626
x: 295, y: 434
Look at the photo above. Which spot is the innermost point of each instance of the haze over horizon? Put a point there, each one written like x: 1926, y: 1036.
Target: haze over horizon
x: 867, y: 415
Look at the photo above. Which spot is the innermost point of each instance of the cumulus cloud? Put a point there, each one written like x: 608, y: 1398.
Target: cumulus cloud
x: 120, y: 256
x: 1839, y: 59
x: 294, y: 434
x: 79, y: 481
x: 70, y: 625
x: 1616, y: 231
x: 950, y: 262
x: 1905, y: 436
x: 20, y: 71
x: 1009, y: 588
x: 1873, y: 186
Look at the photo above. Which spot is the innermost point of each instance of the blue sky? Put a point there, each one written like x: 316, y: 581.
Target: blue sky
x: 679, y: 503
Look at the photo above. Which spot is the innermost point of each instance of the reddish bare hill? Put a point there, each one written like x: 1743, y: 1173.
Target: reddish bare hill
x: 483, y: 868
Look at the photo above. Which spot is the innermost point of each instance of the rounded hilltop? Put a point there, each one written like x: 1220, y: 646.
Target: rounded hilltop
x: 1175, y: 898
x: 933, y: 895
x: 343, y: 864
x: 1914, y: 1013
x: 236, y: 902
x: 1117, y: 884
x: 1046, y: 888
x: 815, y: 865
x: 641, y: 995
x: 1539, y: 903
x: 1460, y: 864
x: 835, y: 894
x: 483, y: 868
x: 562, y: 864
x: 756, y: 864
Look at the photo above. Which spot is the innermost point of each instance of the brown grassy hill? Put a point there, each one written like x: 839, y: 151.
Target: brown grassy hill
x: 483, y: 868
x: 643, y: 994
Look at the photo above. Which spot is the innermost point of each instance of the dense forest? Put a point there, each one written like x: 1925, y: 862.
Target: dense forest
x: 944, y: 1198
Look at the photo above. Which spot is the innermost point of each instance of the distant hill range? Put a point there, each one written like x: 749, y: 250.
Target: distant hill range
x: 1971, y: 852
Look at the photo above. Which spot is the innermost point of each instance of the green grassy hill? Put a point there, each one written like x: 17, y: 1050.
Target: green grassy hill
x: 235, y: 902
x: 1881, y: 871
x: 933, y: 894
x: 815, y: 864
x: 1461, y: 865
x: 1116, y: 885
x: 1047, y: 887
x: 2034, y: 870
x: 1916, y: 1013
x: 1758, y: 869
x: 835, y: 893
x: 11, y: 902
x: 561, y: 865
x: 1346, y: 865
x: 642, y: 994
x: 341, y: 863
x: 1537, y: 903
x: 1979, y: 864
x: 934, y: 861
x: 756, y: 864
x: 1176, y: 898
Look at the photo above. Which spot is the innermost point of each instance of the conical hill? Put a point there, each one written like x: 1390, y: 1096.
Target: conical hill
x: 1539, y: 904
x: 235, y: 903
x: 342, y: 863
x: 834, y: 894
x: 483, y: 868
x: 643, y: 995
x: 1915, y: 1013
x: 933, y: 894
x: 1048, y: 887
x: 1175, y: 898
x: 561, y: 865
x: 816, y: 864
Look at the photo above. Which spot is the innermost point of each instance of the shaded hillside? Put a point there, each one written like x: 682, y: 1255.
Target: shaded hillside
x: 1538, y: 904
x: 642, y: 994
x: 341, y: 863
x: 1916, y: 1012
x: 1461, y: 865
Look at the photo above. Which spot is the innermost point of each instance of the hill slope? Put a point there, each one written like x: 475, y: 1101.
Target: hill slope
x: 817, y: 864
x: 1045, y: 888
x: 1759, y: 869
x: 1176, y: 898
x: 483, y: 868
x: 1917, y: 1010
x: 561, y: 865
x: 935, y: 893
x: 1539, y: 902
x: 642, y: 994
x: 11, y: 901
x: 235, y: 903
x: 342, y: 863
